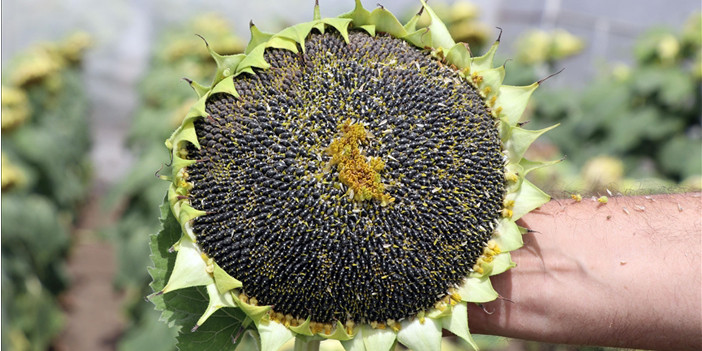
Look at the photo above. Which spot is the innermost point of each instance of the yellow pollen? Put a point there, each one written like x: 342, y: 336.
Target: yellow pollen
x: 476, y: 78
x: 361, y: 175
x: 511, y: 176
x: 492, y: 246
x: 394, y: 325
x: 576, y: 197
x: 507, y: 213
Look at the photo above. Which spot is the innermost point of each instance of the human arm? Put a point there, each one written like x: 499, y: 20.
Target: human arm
x: 625, y: 273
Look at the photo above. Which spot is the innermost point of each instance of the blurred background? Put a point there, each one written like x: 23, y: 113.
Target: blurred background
x: 90, y: 90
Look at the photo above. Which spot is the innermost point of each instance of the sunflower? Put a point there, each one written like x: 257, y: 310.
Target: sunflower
x: 347, y: 178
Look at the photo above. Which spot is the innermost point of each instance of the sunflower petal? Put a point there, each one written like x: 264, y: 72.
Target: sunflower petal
x: 200, y: 89
x: 256, y: 313
x: 439, y: 34
x: 355, y: 344
x: 224, y: 281
x: 457, y: 323
x: 508, y: 237
x: 501, y: 263
x: 411, y: 25
x: 283, y: 43
x: 254, y: 59
x: 304, y: 328
x: 526, y: 199
x: 257, y: 38
x: 189, y: 269
x: 369, y: 28
x: 359, y: 15
x: 187, y: 130
x: 421, y: 336
x: 532, y: 165
x: 477, y: 290
x: 339, y: 334
x: 491, y: 81
x: 385, y: 21
x: 306, y: 345
x: 341, y: 25
x: 520, y: 139
x: 217, y: 301
x: 419, y: 38
x: 225, y: 86
x: 513, y: 101
x: 484, y: 62
x: 378, y: 339
x: 298, y: 33
x: 459, y: 56
x: 273, y: 335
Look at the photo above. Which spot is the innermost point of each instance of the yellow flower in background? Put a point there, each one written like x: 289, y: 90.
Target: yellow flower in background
x: 538, y: 46
x: 15, y: 107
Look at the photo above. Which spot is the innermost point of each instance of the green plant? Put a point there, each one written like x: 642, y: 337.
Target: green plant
x: 45, y: 177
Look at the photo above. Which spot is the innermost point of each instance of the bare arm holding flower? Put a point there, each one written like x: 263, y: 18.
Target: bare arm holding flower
x: 625, y: 273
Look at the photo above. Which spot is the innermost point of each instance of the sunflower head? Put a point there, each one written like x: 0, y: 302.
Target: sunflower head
x: 348, y: 178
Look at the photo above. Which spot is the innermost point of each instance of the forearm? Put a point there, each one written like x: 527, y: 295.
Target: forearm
x: 625, y: 273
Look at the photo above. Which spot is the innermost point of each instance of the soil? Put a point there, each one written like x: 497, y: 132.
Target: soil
x: 94, y: 320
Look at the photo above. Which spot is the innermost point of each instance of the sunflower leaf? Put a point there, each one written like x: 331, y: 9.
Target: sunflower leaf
x: 184, y: 307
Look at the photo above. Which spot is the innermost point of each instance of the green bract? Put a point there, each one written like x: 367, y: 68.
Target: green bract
x: 348, y: 178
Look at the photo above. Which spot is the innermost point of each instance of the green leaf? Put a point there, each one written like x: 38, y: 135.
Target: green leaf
x: 223, y: 331
x: 183, y: 308
x: 149, y: 334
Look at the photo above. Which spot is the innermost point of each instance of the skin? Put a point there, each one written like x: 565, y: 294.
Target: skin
x: 596, y: 275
